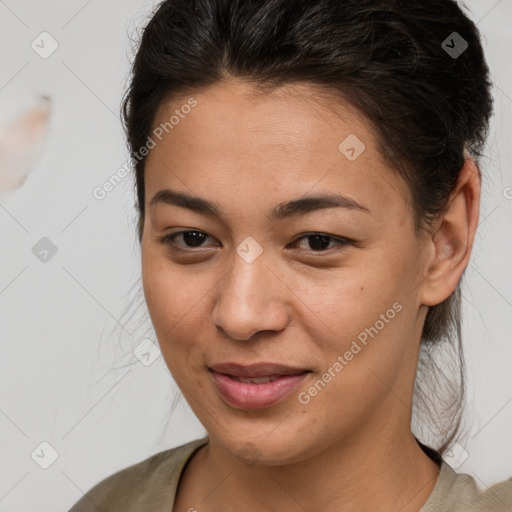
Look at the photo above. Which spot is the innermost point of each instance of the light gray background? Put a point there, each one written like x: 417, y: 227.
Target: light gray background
x: 68, y: 374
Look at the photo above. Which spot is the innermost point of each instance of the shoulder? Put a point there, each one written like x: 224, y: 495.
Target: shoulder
x: 467, y: 496
x: 149, y: 483
x: 459, y: 492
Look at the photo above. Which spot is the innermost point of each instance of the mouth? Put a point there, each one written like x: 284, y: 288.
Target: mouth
x: 256, y: 380
x: 255, y: 386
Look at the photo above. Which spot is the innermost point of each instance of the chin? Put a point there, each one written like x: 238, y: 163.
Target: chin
x: 255, y: 446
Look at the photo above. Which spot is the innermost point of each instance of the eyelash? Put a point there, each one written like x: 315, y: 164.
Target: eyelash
x: 169, y: 240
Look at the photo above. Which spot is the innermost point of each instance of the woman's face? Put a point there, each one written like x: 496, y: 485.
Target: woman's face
x: 342, y: 311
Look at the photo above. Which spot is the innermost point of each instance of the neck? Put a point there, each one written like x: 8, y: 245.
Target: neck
x: 387, y: 473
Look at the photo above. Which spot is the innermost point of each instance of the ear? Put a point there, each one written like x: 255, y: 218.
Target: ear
x: 452, y: 239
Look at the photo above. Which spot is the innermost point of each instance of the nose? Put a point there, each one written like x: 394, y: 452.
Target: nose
x: 251, y: 299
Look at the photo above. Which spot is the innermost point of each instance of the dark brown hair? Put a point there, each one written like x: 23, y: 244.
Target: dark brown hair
x: 393, y: 60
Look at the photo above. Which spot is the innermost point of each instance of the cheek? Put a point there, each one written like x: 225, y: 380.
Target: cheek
x: 175, y: 300
x: 349, y: 301
x: 166, y: 290
x: 366, y: 360
x: 360, y: 324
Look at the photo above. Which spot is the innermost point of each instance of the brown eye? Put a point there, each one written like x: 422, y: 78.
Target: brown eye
x: 319, y: 242
x: 191, y: 239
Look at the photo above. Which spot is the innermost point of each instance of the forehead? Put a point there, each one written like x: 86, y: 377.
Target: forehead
x: 284, y: 117
x: 278, y: 144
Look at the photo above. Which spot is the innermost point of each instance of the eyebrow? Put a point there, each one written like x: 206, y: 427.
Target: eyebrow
x: 284, y: 210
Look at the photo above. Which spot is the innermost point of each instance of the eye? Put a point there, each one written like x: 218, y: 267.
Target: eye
x: 192, y: 238
x: 318, y: 242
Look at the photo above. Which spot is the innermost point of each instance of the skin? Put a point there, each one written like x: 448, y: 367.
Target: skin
x: 295, y: 304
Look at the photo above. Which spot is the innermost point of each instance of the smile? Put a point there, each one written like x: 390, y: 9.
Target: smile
x: 250, y: 391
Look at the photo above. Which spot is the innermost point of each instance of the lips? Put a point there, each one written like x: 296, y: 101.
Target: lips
x: 257, y: 380
x: 255, y: 386
x: 256, y: 369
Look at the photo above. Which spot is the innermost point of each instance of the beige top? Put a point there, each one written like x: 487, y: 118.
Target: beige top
x: 150, y: 486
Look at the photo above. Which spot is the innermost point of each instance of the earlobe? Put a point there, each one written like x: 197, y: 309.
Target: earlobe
x: 452, y: 239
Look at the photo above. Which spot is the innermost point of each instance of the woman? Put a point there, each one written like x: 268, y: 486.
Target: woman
x: 308, y: 193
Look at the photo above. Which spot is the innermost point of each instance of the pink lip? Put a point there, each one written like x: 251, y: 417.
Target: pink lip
x: 255, y: 369
x: 255, y: 395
